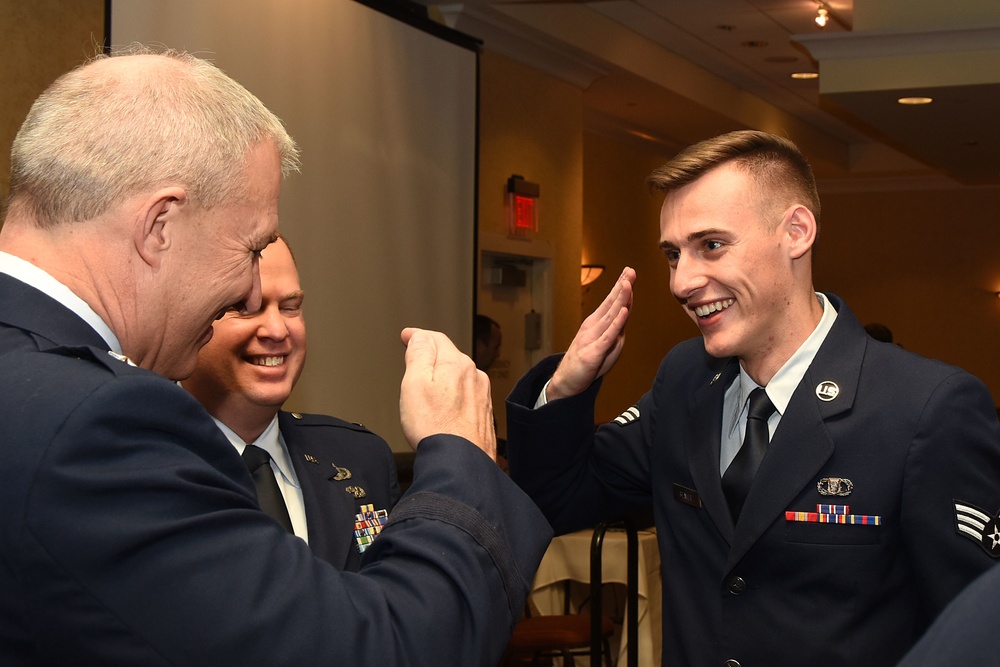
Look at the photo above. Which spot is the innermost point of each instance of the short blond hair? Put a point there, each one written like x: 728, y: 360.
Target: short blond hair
x: 775, y: 163
x: 106, y: 131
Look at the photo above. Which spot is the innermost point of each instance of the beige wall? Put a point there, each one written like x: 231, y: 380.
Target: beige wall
x: 39, y: 40
x: 530, y: 125
x: 924, y: 263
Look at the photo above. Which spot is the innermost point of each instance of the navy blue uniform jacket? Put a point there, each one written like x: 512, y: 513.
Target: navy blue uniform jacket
x: 317, y: 446
x: 130, y: 532
x: 914, y: 437
x: 965, y: 634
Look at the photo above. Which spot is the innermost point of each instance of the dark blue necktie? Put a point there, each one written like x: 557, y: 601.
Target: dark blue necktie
x: 268, y: 494
x: 739, y: 475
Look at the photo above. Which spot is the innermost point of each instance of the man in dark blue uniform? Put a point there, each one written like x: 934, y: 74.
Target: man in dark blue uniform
x: 143, y: 189
x: 859, y: 501
x: 334, y: 477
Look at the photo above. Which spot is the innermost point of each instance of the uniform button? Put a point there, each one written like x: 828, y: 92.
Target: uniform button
x: 731, y: 663
x: 737, y: 587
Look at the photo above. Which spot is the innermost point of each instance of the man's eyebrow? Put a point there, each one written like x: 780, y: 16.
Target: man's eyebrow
x: 694, y: 236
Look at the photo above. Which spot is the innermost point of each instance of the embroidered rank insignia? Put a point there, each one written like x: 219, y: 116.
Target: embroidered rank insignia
x: 627, y: 417
x: 977, y: 525
x: 367, y: 525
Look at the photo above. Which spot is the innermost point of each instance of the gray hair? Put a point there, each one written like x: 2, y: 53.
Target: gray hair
x: 106, y: 131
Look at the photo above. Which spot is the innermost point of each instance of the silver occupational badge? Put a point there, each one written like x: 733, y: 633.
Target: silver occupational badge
x: 834, y: 486
x: 827, y: 390
x: 341, y: 474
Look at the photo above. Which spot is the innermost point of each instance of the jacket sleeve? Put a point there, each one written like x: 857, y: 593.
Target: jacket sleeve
x: 577, y: 475
x: 951, y: 472
x: 144, y: 545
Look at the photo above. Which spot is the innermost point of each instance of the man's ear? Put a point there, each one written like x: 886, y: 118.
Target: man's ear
x: 157, y: 221
x: 800, y: 225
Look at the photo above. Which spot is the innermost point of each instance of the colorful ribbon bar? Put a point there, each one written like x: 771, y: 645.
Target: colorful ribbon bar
x: 367, y: 525
x: 853, y: 519
x: 833, y: 509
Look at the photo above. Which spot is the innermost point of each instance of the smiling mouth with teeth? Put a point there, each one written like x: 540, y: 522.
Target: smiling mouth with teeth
x: 268, y: 361
x: 715, y: 306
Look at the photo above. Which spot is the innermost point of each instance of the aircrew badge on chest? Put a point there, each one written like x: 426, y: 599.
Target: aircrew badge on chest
x: 367, y: 525
x: 979, y: 526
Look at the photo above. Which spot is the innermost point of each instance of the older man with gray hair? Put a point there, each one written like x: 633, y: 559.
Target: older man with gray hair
x: 144, y: 187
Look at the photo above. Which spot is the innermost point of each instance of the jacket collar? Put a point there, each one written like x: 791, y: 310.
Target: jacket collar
x: 48, y: 321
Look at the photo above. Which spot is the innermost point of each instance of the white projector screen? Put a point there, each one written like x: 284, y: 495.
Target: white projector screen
x: 382, y: 218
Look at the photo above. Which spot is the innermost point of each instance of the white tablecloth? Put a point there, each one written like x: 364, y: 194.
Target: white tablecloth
x: 568, y: 557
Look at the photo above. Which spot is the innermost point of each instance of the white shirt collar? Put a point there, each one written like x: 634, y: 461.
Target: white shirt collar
x: 271, y: 442
x: 41, y: 280
x: 783, y: 384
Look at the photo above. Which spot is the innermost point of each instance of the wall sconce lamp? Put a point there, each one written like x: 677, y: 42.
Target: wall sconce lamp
x: 589, y: 273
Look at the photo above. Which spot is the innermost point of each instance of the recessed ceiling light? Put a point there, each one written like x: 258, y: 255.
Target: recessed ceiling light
x: 805, y: 75
x: 915, y: 101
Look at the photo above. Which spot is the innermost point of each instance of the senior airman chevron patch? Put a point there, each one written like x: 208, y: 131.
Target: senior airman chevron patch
x: 627, y: 417
x: 977, y: 525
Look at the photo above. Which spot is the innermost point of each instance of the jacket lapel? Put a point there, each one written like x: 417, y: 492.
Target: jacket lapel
x: 703, y: 443
x: 329, y: 508
x: 801, y: 444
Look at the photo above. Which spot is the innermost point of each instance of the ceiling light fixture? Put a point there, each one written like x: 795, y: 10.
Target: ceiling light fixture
x: 915, y: 101
x: 805, y: 75
x: 822, y: 16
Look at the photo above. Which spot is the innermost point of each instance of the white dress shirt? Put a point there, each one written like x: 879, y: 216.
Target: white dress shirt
x: 273, y: 443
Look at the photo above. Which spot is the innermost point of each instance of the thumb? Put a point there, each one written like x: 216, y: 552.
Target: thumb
x: 421, y: 349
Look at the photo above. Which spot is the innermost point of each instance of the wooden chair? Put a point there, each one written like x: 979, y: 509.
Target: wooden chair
x: 569, y: 634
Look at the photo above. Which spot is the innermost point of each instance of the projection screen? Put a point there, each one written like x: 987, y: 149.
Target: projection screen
x: 382, y: 217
